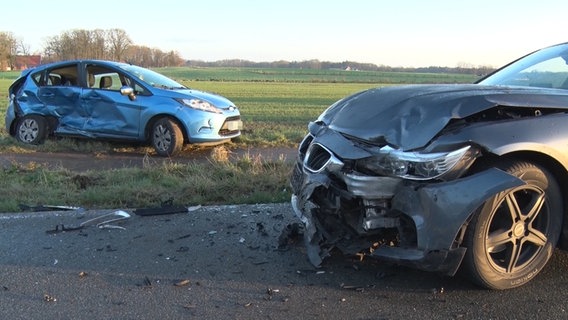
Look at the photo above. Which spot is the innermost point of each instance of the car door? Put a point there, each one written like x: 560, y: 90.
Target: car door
x: 59, y: 94
x: 110, y: 114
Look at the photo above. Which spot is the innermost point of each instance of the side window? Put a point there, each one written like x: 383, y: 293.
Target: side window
x: 99, y: 77
x: 60, y: 76
x: 104, y: 78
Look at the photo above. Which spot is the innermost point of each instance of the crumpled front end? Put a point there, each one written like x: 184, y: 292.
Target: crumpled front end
x: 412, y: 222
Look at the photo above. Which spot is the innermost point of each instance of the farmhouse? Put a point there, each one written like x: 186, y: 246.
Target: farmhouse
x: 24, y: 62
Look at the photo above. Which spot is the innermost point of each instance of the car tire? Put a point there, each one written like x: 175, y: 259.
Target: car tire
x: 513, y: 234
x: 31, y: 129
x: 167, y: 137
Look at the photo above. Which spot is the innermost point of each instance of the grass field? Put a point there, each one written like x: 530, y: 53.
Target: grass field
x: 276, y: 106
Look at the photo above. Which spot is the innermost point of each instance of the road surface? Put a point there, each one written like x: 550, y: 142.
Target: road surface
x: 225, y: 262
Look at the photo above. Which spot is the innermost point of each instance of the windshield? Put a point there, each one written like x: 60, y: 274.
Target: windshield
x: 546, y: 68
x: 152, y: 78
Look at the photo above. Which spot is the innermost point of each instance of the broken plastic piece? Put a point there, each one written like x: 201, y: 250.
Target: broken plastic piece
x: 182, y: 283
x: 166, y: 207
x: 101, y: 222
x: 160, y: 210
x: 106, y: 219
x: 43, y: 207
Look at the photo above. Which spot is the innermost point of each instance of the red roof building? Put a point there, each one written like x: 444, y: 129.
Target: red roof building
x: 26, y: 62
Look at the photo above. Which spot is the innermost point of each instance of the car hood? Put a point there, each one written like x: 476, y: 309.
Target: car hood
x: 408, y: 117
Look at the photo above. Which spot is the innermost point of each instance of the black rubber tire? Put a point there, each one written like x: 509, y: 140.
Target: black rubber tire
x: 513, y: 235
x: 31, y: 129
x: 167, y: 137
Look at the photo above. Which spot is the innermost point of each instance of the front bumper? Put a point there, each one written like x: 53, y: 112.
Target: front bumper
x: 419, y: 224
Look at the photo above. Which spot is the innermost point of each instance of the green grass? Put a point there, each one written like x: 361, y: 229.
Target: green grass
x: 247, y: 180
x: 310, y: 75
x: 276, y: 106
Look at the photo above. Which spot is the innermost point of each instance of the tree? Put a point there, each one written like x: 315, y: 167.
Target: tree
x: 112, y: 44
x: 8, y: 49
x: 118, y: 43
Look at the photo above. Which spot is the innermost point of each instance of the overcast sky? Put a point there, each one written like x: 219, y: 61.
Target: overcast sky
x: 411, y: 33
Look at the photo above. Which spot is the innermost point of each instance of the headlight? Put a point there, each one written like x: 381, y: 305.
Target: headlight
x: 199, y: 105
x: 420, y: 166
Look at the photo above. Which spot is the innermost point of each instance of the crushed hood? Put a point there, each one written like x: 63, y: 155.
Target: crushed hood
x: 408, y: 117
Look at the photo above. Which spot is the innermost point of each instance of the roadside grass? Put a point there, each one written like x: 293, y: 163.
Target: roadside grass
x: 276, y: 106
x: 249, y: 179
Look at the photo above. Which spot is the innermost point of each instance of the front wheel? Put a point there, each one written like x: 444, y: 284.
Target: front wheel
x: 167, y: 137
x: 513, y: 235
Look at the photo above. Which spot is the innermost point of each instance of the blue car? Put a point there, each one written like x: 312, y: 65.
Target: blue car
x: 116, y: 101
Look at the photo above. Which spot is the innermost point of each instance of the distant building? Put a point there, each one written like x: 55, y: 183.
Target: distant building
x: 25, y: 62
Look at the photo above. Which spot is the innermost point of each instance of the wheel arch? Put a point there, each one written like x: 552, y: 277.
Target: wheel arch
x: 559, y: 171
x: 51, y: 121
x: 152, y: 121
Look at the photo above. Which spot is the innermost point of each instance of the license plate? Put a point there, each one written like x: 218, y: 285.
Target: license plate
x: 234, y: 125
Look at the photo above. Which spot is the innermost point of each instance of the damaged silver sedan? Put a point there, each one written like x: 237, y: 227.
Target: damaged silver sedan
x: 444, y: 177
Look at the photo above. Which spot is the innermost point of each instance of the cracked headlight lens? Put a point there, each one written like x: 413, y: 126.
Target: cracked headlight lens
x: 420, y: 166
x: 199, y: 105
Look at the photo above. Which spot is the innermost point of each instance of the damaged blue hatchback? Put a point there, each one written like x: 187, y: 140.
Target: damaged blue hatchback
x: 116, y: 101
x: 444, y: 177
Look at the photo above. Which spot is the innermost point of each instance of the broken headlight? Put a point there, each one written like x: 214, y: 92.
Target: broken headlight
x: 199, y: 104
x: 420, y: 166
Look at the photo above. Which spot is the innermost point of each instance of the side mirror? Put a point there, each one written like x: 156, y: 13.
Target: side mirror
x: 128, y: 91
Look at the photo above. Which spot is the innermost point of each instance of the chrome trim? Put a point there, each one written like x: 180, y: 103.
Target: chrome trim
x: 319, y: 158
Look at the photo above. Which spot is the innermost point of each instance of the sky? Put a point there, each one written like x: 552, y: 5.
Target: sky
x: 398, y: 33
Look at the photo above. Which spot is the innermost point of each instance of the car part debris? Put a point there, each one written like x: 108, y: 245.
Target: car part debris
x: 102, y: 222
x: 290, y: 235
x: 43, y: 207
x: 182, y: 283
x: 166, y: 207
x: 61, y: 228
x: 147, y: 282
x: 106, y: 219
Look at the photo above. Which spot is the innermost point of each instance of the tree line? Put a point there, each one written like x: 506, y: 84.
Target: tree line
x: 462, y: 68
x: 115, y: 44
x: 103, y: 44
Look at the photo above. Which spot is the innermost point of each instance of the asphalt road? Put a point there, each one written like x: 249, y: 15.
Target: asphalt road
x: 224, y: 262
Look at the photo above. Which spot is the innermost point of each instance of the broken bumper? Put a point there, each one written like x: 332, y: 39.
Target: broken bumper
x: 435, y: 215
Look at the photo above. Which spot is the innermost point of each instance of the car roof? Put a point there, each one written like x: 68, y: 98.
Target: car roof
x: 95, y: 61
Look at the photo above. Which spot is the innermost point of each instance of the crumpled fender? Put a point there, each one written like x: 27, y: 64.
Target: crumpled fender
x: 439, y: 210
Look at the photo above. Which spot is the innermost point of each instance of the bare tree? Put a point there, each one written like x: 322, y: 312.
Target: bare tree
x: 8, y: 50
x: 22, y: 48
x: 118, y: 43
x: 113, y: 44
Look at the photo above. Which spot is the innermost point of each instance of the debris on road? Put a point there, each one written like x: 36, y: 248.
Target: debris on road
x: 290, y: 235
x: 182, y: 283
x: 103, y: 222
x: 42, y: 207
x: 166, y: 207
